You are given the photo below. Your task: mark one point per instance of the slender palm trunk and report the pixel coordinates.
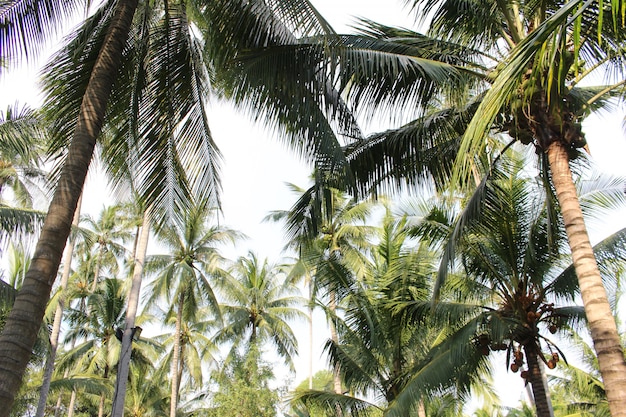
(96, 270)
(57, 407)
(421, 409)
(175, 357)
(310, 311)
(181, 361)
(20, 332)
(102, 396)
(131, 313)
(70, 407)
(332, 305)
(335, 339)
(597, 308)
(541, 396)
(56, 326)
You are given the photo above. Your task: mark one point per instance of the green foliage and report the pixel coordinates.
(242, 388)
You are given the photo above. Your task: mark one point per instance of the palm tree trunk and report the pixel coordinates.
(175, 357)
(96, 270)
(102, 396)
(20, 332)
(131, 313)
(421, 409)
(597, 308)
(70, 407)
(540, 394)
(310, 311)
(333, 336)
(56, 326)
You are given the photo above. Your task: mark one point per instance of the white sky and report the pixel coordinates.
(257, 166)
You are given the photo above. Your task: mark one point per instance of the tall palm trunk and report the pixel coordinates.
(131, 313)
(56, 326)
(310, 313)
(20, 332)
(540, 393)
(71, 406)
(333, 336)
(96, 270)
(176, 356)
(103, 395)
(599, 315)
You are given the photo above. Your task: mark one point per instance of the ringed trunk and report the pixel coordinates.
(602, 325)
(541, 396)
(20, 332)
(175, 357)
(56, 327)
(131, 313)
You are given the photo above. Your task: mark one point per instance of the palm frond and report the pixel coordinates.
(25, 25)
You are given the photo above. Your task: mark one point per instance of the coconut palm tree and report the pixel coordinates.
(481, 69)
(109, 234)
(20, 330)
(257, 307)
(21, 157)
(97, 350)
(391, 361)
(512, 253)
(195, 349)
(185, 276)
(328, 231)
(100, 54)
(140, 249)
(21, 154)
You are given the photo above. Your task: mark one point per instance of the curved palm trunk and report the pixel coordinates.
(20, 332)
(599, 315)
(56, 326)
(131, 313)
(175, 357)
(541, 396)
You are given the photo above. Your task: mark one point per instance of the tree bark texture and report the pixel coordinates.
(175, 357)
(20, 332)
(602, 325)
(541, 397)
(56, 326)
(131, 313)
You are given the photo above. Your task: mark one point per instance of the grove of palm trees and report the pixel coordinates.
(446, 241)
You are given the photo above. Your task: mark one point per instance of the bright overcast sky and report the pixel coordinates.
(256, 166)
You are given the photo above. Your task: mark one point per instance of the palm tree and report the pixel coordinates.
(392, 361)
(257, 308)
(486, 68)
(512, 254)
(328, 231)
(99, 350)
(243, 386)
(139, 257)
(21, 157)
(21, 328)
(184, 276)
(193, 347)
(21, 154)
(147, 395)
(108, 233)
(230, 26)
(58, 317)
